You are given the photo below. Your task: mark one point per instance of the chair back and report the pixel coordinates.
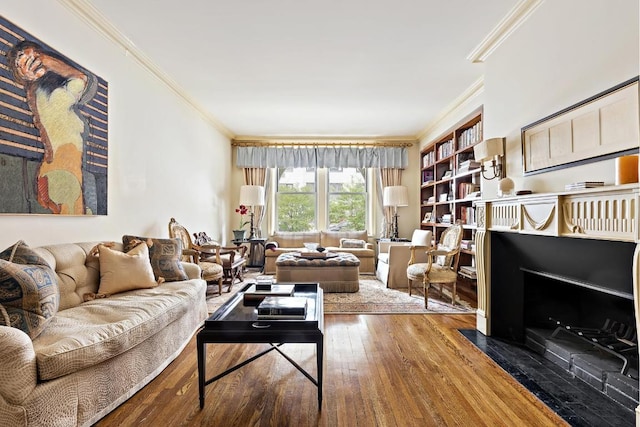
(421, 238)
(178, 231)
(450, 239)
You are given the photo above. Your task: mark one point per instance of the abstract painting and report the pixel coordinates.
(53, 130)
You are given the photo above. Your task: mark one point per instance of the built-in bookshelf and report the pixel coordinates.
(450, 181)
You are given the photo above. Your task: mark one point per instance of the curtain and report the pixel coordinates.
(258, 176)
(322, 157)
(387, 177)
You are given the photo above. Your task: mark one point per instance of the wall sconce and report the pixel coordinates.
(490, 149)
(252, 195)
(395, 195)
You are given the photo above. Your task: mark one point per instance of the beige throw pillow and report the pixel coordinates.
(121, 271)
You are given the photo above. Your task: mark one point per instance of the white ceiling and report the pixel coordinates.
(313, 68)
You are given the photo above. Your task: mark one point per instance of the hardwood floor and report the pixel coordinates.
(380, 370)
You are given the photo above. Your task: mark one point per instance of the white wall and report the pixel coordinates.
(164, 159)
(566, 52)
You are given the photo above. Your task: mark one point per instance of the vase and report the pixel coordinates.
(238, 234)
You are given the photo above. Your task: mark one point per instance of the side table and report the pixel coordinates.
(256, 250)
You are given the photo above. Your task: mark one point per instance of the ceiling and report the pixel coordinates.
(276, 68)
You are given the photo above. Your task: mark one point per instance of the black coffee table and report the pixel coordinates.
(235, 322)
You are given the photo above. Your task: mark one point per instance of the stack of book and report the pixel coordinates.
(468, 165)
(254, 295)
(446, 218)
(274, 307)
(583, 184)
(468, 271)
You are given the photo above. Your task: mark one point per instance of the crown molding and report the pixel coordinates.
(471, 93)
(512, 20)
(89, 14)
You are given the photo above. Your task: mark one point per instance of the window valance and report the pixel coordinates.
(322, 157)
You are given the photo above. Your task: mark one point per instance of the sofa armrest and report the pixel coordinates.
(193, 270)
(18, 376)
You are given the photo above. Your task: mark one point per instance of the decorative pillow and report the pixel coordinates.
(121, 271)
(352, 243)
(29, 294)
(164, 254)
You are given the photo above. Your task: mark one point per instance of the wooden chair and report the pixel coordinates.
(442, 263)
(207, 257)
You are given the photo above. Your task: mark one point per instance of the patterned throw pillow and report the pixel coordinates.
(29, 295)
(164, 255)
(352, 243)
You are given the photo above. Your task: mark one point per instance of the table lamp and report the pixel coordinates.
(252, 195)
(395, 196)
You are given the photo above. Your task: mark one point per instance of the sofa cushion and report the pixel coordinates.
(286, 239)
(98, 330)
(165, 256)
(352, 243)
(332, 238)
(121, 271)
(29, 295)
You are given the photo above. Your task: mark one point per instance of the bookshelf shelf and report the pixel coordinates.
(452, 152)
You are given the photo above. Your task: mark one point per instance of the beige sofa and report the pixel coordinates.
(330, 240)
(94, 355)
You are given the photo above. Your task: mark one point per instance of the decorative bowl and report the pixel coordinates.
(311, 246)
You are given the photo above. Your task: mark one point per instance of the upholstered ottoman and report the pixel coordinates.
(335, 274)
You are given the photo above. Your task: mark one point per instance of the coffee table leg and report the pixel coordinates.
(201, 369)
(319, 358)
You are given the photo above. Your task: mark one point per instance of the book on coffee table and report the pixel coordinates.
(254, 295)
(277, 307)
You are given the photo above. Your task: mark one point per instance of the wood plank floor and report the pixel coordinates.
(380, 370)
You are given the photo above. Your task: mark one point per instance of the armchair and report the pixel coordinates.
(393, 258)
(442, 263)
(206, 256)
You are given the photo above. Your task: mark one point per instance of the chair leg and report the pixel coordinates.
(410, 286)
(453, 294)
(220, 285)
(426, 285)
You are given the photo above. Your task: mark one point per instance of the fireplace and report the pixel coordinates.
(563, 260)
(580, 282)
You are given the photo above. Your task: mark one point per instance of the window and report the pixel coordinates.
(347, 203)
(296, 199)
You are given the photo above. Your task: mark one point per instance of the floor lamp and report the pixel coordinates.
(252, 195)
(395, 196)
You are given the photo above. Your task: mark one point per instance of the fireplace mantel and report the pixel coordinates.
(606, 213)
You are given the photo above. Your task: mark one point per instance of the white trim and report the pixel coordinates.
(88, 13)
(512, 20)
(471, 93)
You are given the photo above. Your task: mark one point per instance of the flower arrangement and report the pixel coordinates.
(242, 210)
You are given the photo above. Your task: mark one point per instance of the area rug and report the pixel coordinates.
(372, 298)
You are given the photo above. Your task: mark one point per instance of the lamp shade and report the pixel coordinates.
(488, 149)
(252, 195)
(395, 195)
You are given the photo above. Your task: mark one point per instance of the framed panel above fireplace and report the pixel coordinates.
(602, 126)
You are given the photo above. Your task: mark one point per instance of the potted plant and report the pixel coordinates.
(238, 234)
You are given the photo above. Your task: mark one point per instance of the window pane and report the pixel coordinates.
(347, 199)
(296, 199)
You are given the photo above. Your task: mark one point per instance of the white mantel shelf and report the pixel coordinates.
(608, 213)
(605, 213)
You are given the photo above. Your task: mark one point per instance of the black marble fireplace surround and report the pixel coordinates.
(580, 282)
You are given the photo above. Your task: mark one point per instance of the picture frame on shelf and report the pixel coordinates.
(427, 217)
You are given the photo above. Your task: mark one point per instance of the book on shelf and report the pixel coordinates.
(466, 188)
(583, 184)
(253, 295)
(273, 307)
(468, 165)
